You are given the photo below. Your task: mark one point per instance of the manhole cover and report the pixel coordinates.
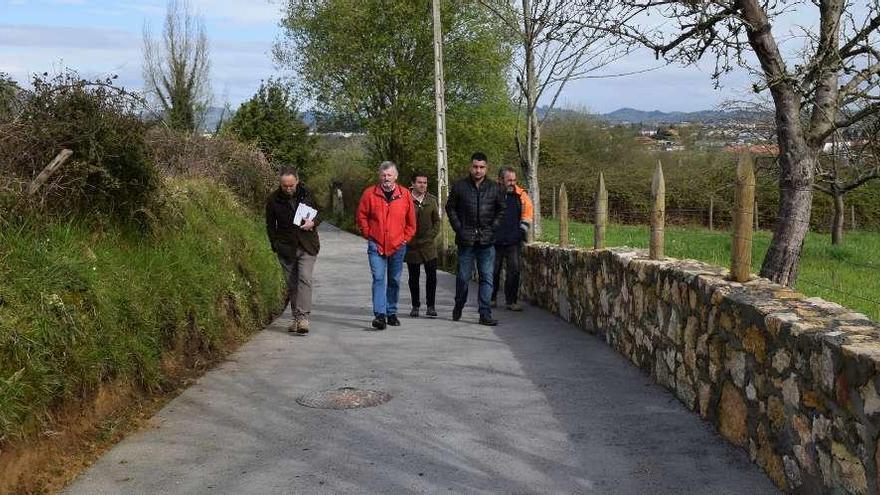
(344, 398)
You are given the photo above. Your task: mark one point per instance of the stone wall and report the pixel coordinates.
(792, 380)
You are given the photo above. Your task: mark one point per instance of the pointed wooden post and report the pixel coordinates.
(658, 213)
(743, 215)
(563, 216)
(601, 214)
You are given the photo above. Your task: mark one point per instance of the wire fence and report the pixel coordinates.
(688, 223)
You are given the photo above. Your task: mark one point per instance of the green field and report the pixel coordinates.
(848, 274)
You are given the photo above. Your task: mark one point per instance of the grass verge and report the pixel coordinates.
(847, 274)
(84, 304)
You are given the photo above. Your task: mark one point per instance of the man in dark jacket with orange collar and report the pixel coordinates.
(296, 245)
(386, 217)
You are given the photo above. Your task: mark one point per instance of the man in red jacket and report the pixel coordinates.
(386, 217)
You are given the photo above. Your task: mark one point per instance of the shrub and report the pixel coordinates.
(240, 166)
(109, 171)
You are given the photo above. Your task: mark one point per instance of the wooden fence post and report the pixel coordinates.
(563, 216)
(712, 212)
(658, 213)
(48, 171)
(744, 202)
(601, 214)
(852, 211)
(553, 200)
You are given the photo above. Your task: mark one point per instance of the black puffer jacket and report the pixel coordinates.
(475, 213)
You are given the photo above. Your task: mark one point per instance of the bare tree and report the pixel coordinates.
(847, 165)
(176, 67)
(830, 83)
(559, 41)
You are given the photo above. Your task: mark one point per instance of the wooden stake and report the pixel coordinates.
(744, 202)
(563, 216)
(601, 214)
(852, 211)
(47, 172)
(712, 212)
(658, 213)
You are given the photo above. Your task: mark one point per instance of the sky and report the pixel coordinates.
(102, 37)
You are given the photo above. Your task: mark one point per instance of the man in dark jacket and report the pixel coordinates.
(422, 248)
(295, 244)
(475, 208)
(509, 238)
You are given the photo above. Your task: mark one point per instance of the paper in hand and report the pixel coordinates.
(304, 212)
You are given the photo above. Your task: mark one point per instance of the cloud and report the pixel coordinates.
(64, 37)
(236, 66)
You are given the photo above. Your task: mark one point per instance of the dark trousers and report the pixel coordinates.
(509, 257)
(414, 270)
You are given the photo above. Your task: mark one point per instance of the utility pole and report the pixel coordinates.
(440, 103)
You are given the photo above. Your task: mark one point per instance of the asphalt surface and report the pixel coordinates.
(533, 405)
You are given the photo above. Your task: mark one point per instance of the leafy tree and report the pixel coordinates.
(559, 41)
(176, 67)
(849, 165)
(271, 119)
(373, 59)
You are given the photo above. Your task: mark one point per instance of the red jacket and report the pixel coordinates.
(389, 223)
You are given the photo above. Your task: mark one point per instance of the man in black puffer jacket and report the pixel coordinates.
(475, 208)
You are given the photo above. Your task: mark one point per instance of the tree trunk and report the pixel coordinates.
(839, 217)
(533, 132)
(533, 147)
(793, 221)
(797, 160)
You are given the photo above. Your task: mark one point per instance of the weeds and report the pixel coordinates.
(81, 304)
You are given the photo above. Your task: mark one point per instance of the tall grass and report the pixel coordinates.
(848, 274)
(83, 302)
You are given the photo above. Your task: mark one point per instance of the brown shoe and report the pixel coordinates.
(302, 326)
(514, 307)
(294, 327)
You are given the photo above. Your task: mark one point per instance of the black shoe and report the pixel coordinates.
(456, 313)
(488, 321)
(379, 322)
(431, 311)
(393, 321)
(414, 313)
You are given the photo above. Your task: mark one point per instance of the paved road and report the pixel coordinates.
(531, 406)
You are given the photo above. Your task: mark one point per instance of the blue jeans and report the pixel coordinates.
(485, 257)
(386, 278)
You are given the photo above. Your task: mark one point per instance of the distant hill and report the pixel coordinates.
(631, 115)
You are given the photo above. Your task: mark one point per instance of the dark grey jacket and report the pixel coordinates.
(475, 213)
